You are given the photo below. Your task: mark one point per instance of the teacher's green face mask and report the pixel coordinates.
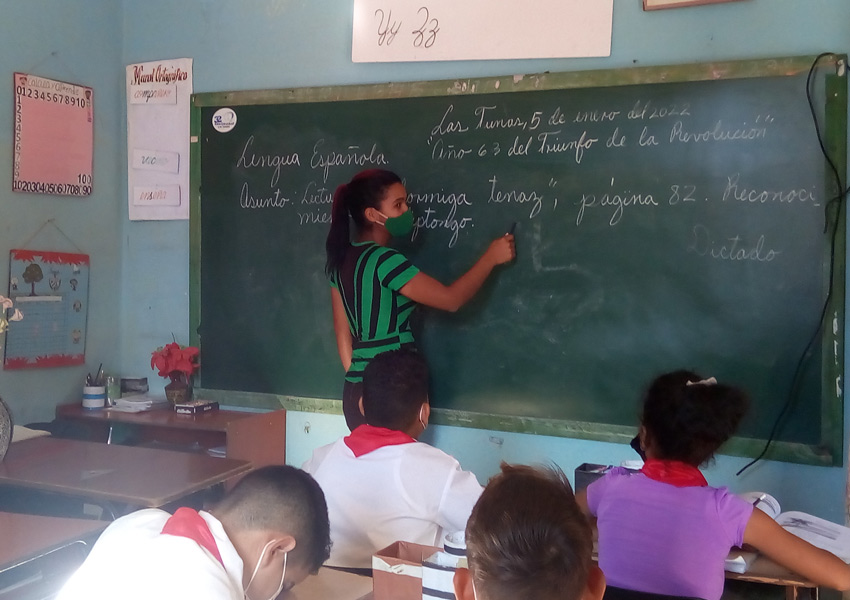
(399, 226)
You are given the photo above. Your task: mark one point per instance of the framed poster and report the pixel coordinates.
(54, 137)
(52, 290)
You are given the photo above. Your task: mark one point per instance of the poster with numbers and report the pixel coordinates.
(51, 289)
(53, 137)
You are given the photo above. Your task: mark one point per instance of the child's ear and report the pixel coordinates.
(463, 584)
(595, 588)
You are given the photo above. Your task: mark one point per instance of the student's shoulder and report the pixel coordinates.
(320, 455)
(148, 520)
(730, 503)
(420, 451)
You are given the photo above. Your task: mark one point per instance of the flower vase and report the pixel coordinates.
(179, 391)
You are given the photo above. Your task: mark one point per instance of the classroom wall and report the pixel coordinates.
(139, 273)
(259, 44)
(77, 41)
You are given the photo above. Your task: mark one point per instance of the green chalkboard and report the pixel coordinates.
(666, 217)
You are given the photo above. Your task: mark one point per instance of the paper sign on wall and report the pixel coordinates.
(158, 95)
(407, 30)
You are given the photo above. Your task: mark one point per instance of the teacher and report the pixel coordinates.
(374, 289)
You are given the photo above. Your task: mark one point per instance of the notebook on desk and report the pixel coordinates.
(821, 533)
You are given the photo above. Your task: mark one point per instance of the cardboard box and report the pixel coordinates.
(195, 407)
(397, 571)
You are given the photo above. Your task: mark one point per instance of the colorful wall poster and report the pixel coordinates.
(51, 289)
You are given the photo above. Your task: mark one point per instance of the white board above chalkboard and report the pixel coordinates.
(404, 30)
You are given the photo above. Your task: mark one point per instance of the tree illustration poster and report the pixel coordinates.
(52, 291)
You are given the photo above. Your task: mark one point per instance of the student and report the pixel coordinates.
(527, 538)
(374, 289)
(664, 530)
(380, 483)
(265, 535)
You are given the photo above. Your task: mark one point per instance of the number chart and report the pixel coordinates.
(53, 139)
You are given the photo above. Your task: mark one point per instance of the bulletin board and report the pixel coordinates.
(51, 289)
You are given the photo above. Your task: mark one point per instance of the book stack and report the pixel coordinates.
(139, 403)
(195, 407)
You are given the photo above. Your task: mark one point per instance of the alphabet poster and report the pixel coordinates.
(51, 289)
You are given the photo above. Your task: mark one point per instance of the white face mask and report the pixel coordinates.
(257, 568)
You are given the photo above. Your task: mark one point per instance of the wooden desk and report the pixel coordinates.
(256, 437)
(332, 584)
(764, 570)
(103, 473)
(39, 553)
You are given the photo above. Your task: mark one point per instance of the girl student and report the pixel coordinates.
(374, 289)
(663, 530)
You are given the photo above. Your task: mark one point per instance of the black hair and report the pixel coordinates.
(527, 537)
(286, 499)
(365, 190)
(690, 422)
(395, 385)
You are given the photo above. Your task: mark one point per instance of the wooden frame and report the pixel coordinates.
(827, 452)
(659, 4)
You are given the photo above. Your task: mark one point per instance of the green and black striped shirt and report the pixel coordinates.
(378, 315)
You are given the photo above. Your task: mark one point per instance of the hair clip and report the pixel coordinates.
(709, 381)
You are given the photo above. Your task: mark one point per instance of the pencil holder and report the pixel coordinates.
(94, 396)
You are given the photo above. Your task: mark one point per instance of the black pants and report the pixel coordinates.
(351, 394)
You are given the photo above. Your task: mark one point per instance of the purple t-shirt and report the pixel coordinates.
(659, 538)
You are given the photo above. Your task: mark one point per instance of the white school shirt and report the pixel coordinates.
(412, 492)
(132, 560)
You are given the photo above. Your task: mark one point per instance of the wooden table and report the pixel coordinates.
(764, 570)
(256, 437)
(332, 584)
(125, 477)
(39, 553)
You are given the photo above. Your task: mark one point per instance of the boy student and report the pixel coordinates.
(527, 538)
(265, 535)
(381, 484)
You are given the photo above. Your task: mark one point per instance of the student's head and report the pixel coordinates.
(277, 519)
(527, 538)
(395, 391)
(368, 199)
(687, 417)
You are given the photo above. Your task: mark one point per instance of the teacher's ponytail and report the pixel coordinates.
(339, 236)
(365, 190)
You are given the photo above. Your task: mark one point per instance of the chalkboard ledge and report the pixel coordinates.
(618, 434)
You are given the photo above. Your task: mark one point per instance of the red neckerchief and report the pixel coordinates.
(367, 438)
(187, 523)
(674, 472)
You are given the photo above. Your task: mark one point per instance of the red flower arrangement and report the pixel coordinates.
(176, 362)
